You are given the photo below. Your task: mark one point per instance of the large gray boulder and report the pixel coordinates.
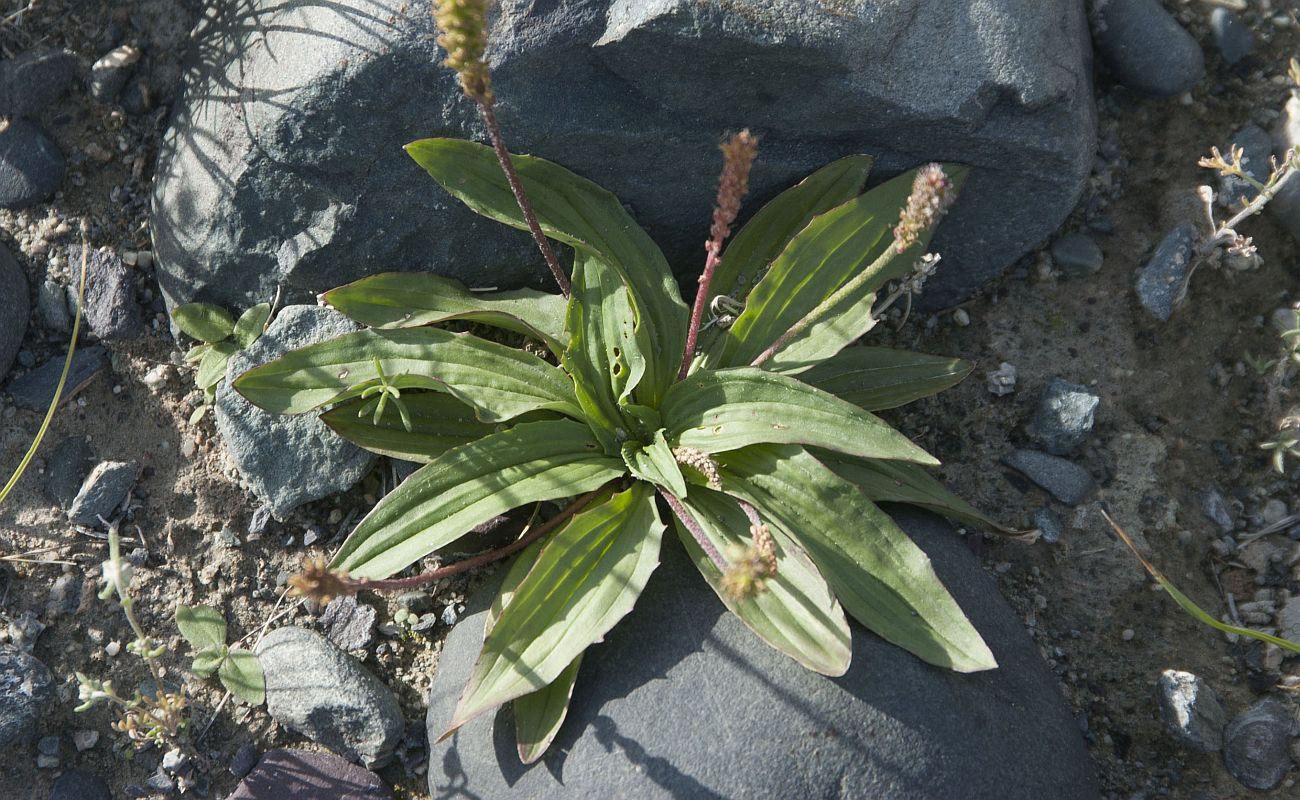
(283, 164)
(683, 701)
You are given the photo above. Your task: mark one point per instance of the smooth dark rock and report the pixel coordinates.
(301, 775)
(1049, 523)
(25, 685)
(52, 305)
(66, 469)
(1077, 255)
(1285, 207)
(34, 390)
(77, 785)
(111, 72)
(283, 164)
(1192, 711)
(33, 82)
(1257, 149)
(349, 625)
(1146, 48)
(15, 309)
(1231, 36)
(683, 701)
(102, 492)
(1161, 281)
(1065, 416)
(1215, 509)
(110, 310)
(31, 166)
(1064, 480)
(1256, 744)
(287, 460)
(321, 692)
(244, 759)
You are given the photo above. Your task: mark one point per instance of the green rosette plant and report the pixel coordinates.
(749, 417)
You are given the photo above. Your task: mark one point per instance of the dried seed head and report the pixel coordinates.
(932, 194)
(464, 36)
(701, 462)
(320, 583)
(738, 155)
(750, 567)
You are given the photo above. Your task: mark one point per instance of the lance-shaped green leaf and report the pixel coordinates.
(577, 212)
(470, 485)
(241, 673)
(768, 232)
(846, 321)
(897, 482)
(439, 422)
(212, 367)
(796, 614)
(539, 715)
(586, 579)
(654, 462)
(833, 248)
(251, 324)
(412, 299)
(718, 410)
(499, 382)
(603, 355)
(204, 321)
(202, 626)
(883, 579)
(877, 378)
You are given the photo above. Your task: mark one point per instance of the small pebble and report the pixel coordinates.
(961, 318)
(1191, 710)
(85, 739)
(1256, 744)
(1049, 524)
(1002, 381)
(1161, 281)
(1127, 635)
(244, 760)
(1077, 255)
(1231, 36)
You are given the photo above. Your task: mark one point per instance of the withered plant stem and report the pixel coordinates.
(521, 197)
(697, 532)
(391, 584)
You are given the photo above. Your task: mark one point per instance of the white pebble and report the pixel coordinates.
(113, 648)
(1128, 635)
(960, 318)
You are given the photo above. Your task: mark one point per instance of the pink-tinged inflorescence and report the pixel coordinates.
(738, 154)
(464, 36)
(932, 194)
(701, 462)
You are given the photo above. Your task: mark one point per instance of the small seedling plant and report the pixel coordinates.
(220, 336)
(238, 669)
(748, 416)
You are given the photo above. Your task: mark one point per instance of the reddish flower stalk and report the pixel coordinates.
(697, 533)
(738, 154)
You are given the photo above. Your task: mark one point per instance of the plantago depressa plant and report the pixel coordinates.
(753, 427)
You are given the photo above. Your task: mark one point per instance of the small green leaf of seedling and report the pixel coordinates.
(213, 366)
(251, 324)
(202, 626)
(197, 352)
(207, 660)
(198, 414)
(382, 390)
(241, 673)
(204, 321)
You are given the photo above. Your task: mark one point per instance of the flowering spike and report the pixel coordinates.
(464, 36)
(932, 193)
(701, 462)
(738, 155)
(320, 583)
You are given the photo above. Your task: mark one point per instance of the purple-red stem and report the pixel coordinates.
(696, 531)
(551, 524)
(525, 206)
(697, 311)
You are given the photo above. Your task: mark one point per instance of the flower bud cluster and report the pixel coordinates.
(464, 36)
(932, 194)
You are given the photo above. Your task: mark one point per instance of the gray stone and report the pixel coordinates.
(52, 305)
(24, 630)
(348, 624)
(1256, 744)
(35, 389)
(1064, 480)
(244, 759)
(77, 785)
(1064, 417)
(1192, 711)
(287, 460)
(681, 700)
(279, 169)
(48, 745)
(66, 469)
(301, 775)
(33, 82)
(1257, 149)
(1049, 523)
(1231, 36)
(1285, 206)
(321, 692)
(1161, 282)
(103, 491)
(15, 309)
(110, 310)
(1077, 255)
(25, 685)
(1146, 48)
(1288, 620)
(31, 166)
(111, 72)
(65, 596)
(1215, 509)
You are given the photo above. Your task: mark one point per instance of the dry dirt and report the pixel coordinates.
(1180, 409)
